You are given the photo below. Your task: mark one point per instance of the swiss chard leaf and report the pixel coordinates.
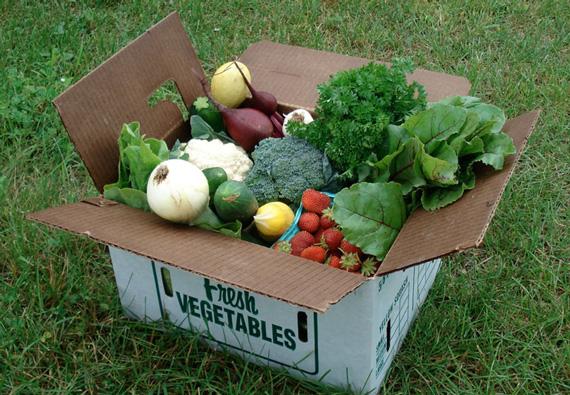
(370, 215)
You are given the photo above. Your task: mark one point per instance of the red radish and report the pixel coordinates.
(247, 126)
(262, 101)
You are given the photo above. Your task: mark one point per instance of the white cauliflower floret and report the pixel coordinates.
(215, 153)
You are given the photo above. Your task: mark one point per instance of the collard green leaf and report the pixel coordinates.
(210, 221)
(370, 215)
(200, 129)
(129, 196)
(436, 124)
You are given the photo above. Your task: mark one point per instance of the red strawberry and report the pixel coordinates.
(314, 253)
(300, 241)
(314, 201)
(334, 261)
(368, 267)
(309, 222)
(282, 246)
(350, 262)
(349, 248)
(332, 238)
(318, 235)
(326, 219)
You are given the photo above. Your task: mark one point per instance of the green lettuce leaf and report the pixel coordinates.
(436, 124)
(403, 166)
(370, 215)
(440, 166)
(138, 156)
(497, 147)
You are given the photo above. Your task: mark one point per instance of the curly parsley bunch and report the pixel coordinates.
(354, 109)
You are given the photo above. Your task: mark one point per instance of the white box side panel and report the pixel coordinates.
(134, 277)
(351, 345)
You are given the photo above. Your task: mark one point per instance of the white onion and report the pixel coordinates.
(177, 191)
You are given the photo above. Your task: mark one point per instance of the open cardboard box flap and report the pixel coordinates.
(94, 109)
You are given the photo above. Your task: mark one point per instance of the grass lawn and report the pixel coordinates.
(497, 319)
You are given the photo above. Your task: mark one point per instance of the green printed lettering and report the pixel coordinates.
(218, 316)
(253, 325)
(209, 288)
(205, 309)
(194, 307)
(240, 323)
(222, 294)
(290, 339)
(230, 295)
(230, 316)
(239, 301)
(277, 334)
(250, 304)
(264, 332)
(182, 302)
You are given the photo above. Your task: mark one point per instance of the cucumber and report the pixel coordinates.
(216, 176)
(234, 200)
(205, 109)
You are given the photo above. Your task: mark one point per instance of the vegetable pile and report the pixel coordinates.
(375, 142)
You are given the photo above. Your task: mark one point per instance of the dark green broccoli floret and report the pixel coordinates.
(284, 168)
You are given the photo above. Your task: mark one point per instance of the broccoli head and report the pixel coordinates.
(284, 168)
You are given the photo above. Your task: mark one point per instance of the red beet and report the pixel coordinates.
(262, 101)
(247, 126)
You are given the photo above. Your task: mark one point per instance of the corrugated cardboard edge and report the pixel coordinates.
(479, 241)
(349, 283)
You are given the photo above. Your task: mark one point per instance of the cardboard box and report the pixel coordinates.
(271, 308)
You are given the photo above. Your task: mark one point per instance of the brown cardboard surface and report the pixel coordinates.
(116, 92)
(228, 260)
(292, 73)
(462, 225)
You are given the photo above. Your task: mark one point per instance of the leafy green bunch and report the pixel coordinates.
(355, 107)
(432, 154)
(426, 161)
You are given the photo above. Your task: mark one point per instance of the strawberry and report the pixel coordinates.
(334, 261)
(309, 222)
(300, 241)
(326, 219)
(350, 262)
(368, 267)
(348, 248)
(319, 235)
(332, 238)
(314, 201)
(314, 253)
(282, 246)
